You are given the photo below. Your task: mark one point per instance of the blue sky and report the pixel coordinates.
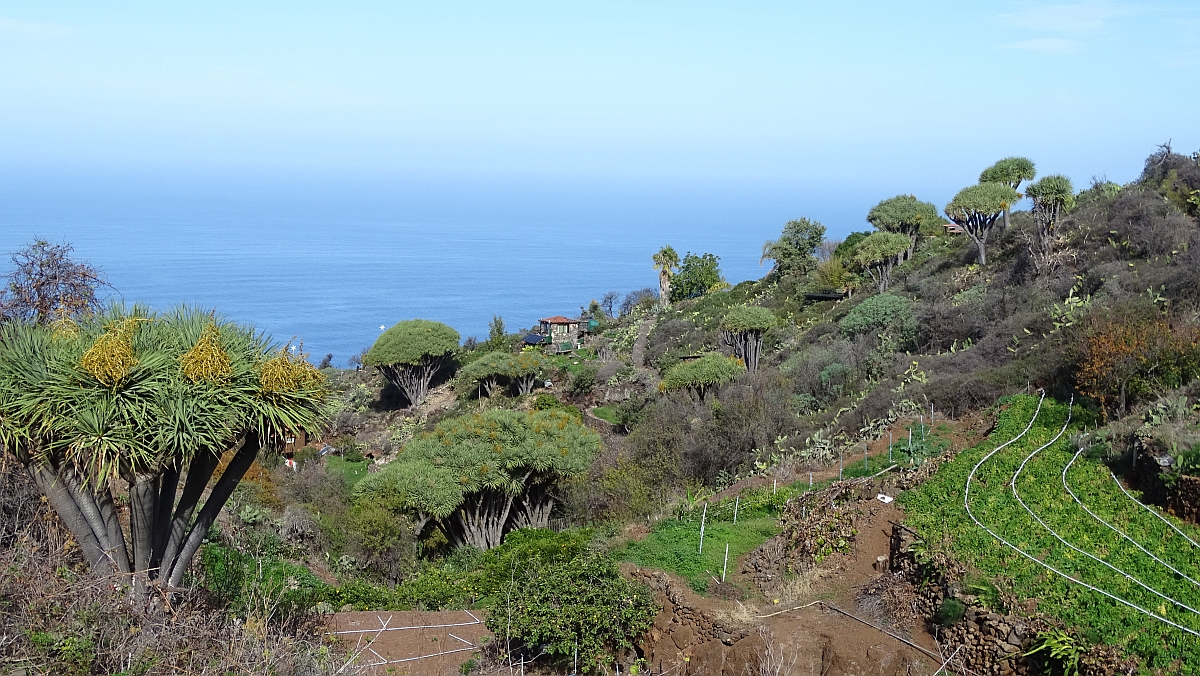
(884, 97)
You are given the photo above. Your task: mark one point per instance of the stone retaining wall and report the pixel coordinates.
(989, 642)
(688, 640)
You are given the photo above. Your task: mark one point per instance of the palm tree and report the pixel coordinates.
(154, 400)
(666, 261)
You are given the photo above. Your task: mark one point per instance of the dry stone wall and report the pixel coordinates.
(690, 640)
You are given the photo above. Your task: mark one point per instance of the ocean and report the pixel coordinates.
(329, 263)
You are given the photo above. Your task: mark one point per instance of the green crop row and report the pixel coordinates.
(936, 512)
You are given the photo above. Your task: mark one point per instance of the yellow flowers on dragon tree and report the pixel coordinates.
(128, 406)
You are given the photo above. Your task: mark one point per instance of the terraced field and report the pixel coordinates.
(1047, 523)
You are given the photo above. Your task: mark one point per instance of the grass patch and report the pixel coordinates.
(606, 413)
(567, 362)
(675, 546)
(353, 471)
(935, 511)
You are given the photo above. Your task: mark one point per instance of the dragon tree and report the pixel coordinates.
(411, 353)
(477, 477)
(162, 412)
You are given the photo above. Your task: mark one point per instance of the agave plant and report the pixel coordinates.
(134, 403)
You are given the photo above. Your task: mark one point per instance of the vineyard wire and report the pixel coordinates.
(1055, 534)
(1152, 511)
(1113, 528)
(1034, 559)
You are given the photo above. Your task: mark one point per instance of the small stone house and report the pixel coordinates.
(562, 334)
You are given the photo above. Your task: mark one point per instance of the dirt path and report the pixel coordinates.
(962, 433)
(818, 623)
(638, 354)
(803, 633)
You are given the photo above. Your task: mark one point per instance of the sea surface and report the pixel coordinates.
(330, 263)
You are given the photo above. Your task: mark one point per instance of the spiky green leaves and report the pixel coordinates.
(904, 214)
(981, 200)
(144, 403)
(1010, 171)
(711, 370)
(1052, 192)
(879, 247)
(748, 318)
(498, 449)
(411, 342)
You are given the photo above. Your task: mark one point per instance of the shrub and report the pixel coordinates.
(582, 381)
(267, 588)
(950, 612)
(1131, 353)
(546, 402)
(583, 604)
(884, 314)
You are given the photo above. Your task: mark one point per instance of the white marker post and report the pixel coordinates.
(736, 501)
(726, 564)
(703, 516)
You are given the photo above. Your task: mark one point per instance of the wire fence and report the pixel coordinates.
(365, 645)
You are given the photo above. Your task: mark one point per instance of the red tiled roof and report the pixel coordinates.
(558, 319)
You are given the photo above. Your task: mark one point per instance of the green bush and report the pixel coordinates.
(580, 604)
(469, 577)
(267, 588)
(882, 314)
(583, 381)
(546, 402)
(950, 612)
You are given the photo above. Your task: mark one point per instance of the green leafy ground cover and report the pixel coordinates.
(607, 413)
(936, 512)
